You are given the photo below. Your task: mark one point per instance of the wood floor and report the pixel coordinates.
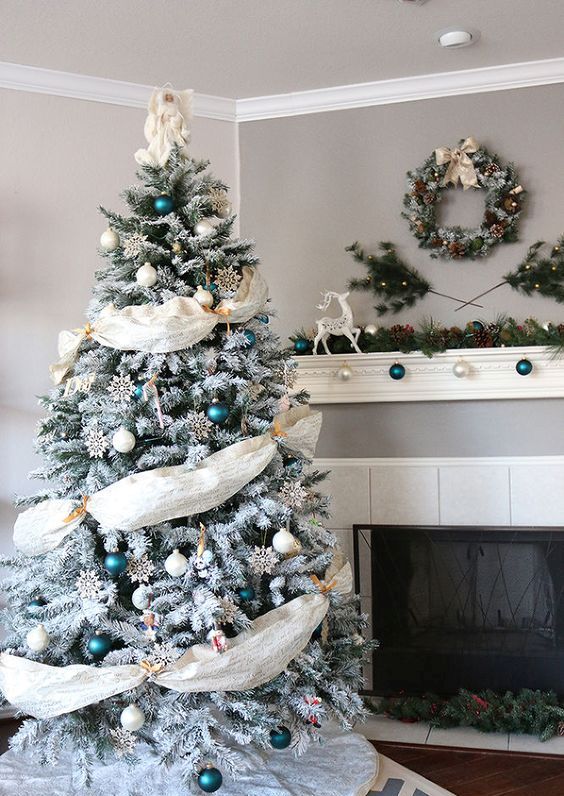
(465, 773)
(476, 773)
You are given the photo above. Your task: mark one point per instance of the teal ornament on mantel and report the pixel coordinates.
(524, 367)
(210, 779)
(397, 371)
(301, 345)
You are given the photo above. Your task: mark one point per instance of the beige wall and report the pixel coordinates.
(60, 159)
(311, 185)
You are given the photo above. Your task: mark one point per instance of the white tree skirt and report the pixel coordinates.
(346, 765)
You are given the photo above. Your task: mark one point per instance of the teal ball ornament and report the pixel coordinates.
(115, 563)
(99, 645)
(37, 602)
(524, 367)
(210, 779)
(262, 318)
(397, 371)
(477, 326)
(301, 345)
(280, 738)
(247, 594)
(138, 392)
(163, 205)
(218, 412)
(251, 337)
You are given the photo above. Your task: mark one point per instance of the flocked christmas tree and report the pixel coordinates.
(174, 588)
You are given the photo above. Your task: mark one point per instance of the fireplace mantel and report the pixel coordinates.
(492, 376)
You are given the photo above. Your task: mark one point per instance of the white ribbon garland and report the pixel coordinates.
(156, 329)
(254, 657)
(166, 493)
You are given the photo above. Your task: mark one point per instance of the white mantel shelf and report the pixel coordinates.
(492, 376)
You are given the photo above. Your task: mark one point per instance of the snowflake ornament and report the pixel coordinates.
(134, 244)
(140, 569)
(293, 494)
(290, 374)
(199, 425)
(219, 201)
(163, 654)
(227, 279)
(229, 609)
(123, 741)
(121, 389)
(263, 560)
(88, 584)
(96, 442)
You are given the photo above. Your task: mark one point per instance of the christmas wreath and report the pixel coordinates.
(475, 168)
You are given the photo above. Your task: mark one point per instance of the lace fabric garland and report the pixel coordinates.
(254, 657)
(165, 493)
(177, 324)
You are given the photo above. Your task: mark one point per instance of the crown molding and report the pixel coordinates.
(21, 77)
(403, 89)
(100, 89)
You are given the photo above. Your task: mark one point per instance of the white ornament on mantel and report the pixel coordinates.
(491, 376)
(167, 125)
(342, 326)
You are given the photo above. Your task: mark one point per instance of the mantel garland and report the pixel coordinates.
(475, 167)
(433, 338)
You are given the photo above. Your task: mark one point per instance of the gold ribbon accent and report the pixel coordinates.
(225, 311)
(277, 430)
(78, 512)
(323, 587)
(202, 540)
(152, 668)
(86, 331)
(460, 167)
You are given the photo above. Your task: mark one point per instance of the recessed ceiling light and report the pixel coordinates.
(452, 38)
(412, 2)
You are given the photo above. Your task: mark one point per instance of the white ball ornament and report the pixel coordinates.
(225, 210)
(204, 227)
(203, 297)
(123, 440)
(141, 598)
(370, 328)
(345, 373)
(132, 718)
(176, 564)
(38, 639)
(284, 542)
(109, 240)
(461, 369)
(146, 275)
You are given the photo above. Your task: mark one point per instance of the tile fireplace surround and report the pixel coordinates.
(504, 491)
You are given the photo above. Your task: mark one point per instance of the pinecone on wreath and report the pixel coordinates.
(498, 230)
(456, 249)
(490, 169)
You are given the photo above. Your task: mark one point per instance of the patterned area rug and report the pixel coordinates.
(396, 780)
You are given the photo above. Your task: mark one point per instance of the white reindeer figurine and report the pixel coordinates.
(337, 326)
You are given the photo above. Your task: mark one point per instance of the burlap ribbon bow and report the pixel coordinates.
(460, 166)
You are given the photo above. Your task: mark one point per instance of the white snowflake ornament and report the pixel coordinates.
(140, 569)
(121, 389)
(134, 244)
(227, 279)
(263, 560)
(199, 425)
(163, 654)
(96, 442)
(293, 494)
(123, 741)
(229, 609)
(88, 584)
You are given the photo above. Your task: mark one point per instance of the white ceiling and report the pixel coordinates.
(245, 48)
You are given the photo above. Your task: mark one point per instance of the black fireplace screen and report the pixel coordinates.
(462, 607)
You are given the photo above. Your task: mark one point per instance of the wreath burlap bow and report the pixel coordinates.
(460, 165)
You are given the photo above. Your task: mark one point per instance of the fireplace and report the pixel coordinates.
(472, 607)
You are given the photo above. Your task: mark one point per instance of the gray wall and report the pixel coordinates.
(311, 185)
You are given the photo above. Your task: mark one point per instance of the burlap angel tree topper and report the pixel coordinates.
(174, 590)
